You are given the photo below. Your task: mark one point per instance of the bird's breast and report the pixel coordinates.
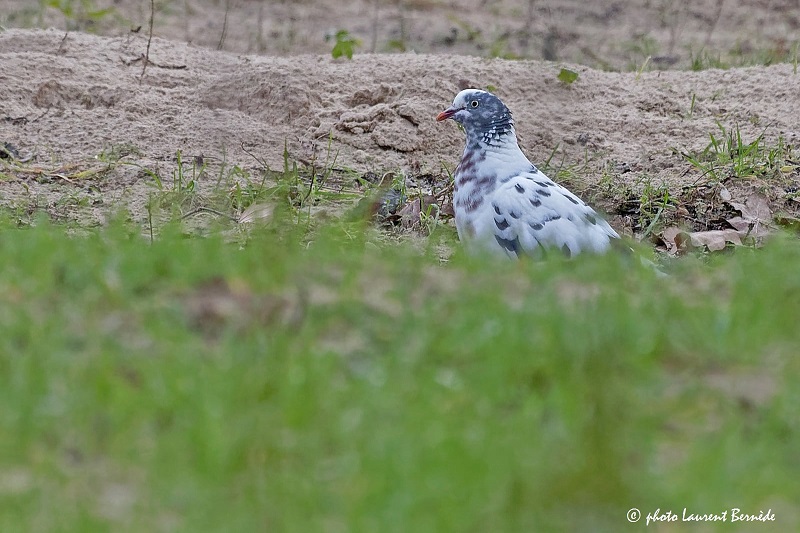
(473, 182)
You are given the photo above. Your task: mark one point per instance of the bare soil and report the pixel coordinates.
(604, 33)
(70, 100)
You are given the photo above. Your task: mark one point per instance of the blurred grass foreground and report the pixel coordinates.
(190, 384)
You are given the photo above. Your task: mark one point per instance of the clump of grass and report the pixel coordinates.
(648, 203)
(778, 53)
(245, 191)
(653, 200)
(640, 50)
(705, 60)
(182, 186)
(729, 155)
(499, 48)
(315, 186)
(81, 15)
(563, 171)
(692, 105)
(738, 57)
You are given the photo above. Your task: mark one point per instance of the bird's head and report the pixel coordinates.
(481, 113)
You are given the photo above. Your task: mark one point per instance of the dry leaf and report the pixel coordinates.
(749, 228)
(715, 240)
(668, 236)
(679, 241)
(683, 242)
(430, 205)
(756, 207)
(409, 214)
(740, 224)
(447, 210)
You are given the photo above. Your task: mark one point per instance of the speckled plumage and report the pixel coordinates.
(503, 203)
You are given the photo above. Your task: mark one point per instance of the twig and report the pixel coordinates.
(260, 26)
(258, 160)
(374, 36)
(63, 40)
(129, 62)
(713, 24)
(150, 216)
(224, 25)
(149, 38)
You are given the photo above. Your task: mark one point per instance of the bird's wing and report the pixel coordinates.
(533, 214)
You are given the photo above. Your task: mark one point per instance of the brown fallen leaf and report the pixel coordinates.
(756, 219)
(409, 213)
(447, 210)
(756, 229)
(668, 237)
(755, 207)
(430, 204)
(679, 242)
(740, 224)
(714, 240)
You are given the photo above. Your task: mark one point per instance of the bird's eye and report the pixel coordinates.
(474, 103)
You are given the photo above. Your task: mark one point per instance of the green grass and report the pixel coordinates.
(334, 384)
(729, 155)
(639, 51)
(739, 57)
(81, 15)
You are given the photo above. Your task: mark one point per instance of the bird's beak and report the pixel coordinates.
(447, 113)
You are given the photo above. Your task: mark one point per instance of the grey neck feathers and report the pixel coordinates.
(492, 134)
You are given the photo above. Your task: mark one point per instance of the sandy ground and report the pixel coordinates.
(69, 98)
(602, 33)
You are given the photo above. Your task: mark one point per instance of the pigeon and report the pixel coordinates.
(503, 204)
